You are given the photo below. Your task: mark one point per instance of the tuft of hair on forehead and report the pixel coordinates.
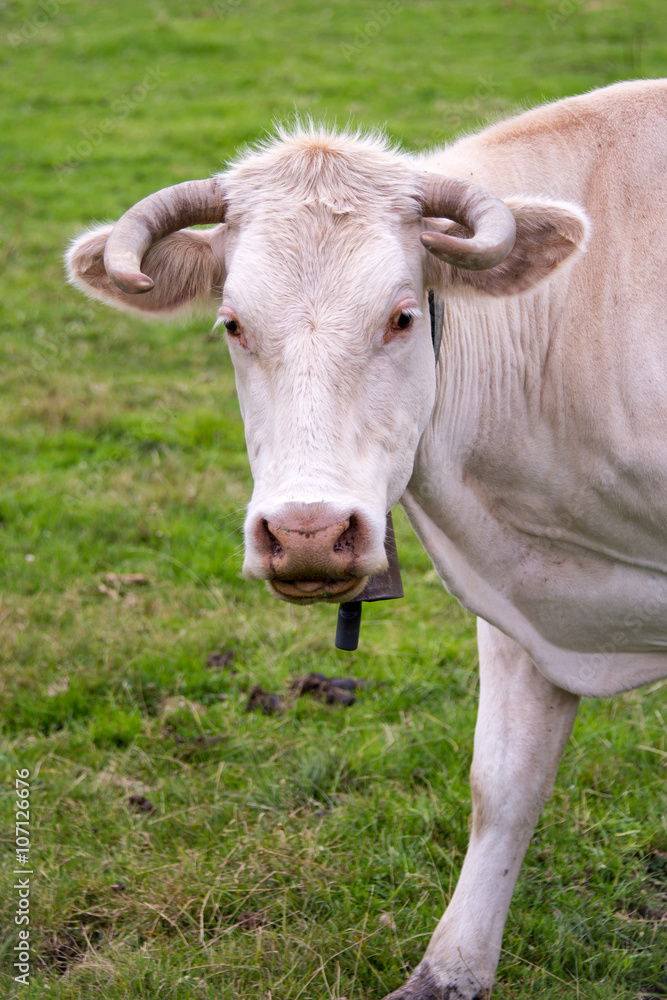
(345, 170)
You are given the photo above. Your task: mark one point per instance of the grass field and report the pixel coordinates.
(308, 854)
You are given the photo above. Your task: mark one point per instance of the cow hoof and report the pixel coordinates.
(422, 985)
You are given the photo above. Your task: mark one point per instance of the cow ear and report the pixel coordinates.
(186, 267)
(548, 234)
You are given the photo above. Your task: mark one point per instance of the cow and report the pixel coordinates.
(530, 460)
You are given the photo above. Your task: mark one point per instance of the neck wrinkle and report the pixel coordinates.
(494, 358)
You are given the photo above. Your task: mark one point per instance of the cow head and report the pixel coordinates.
(325, 248)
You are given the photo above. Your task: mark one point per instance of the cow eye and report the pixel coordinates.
(403, 320)
(233, 327)
(400, 321)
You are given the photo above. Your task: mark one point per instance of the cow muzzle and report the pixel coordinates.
(311, 552)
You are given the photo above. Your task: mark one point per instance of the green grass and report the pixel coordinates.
(305, 855)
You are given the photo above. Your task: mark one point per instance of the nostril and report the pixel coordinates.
(346, 539)
(271, 543)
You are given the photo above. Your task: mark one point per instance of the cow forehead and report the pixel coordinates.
(321, 232)
(346, 173)
(301, 262)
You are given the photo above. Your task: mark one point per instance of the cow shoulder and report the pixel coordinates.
(186, 268)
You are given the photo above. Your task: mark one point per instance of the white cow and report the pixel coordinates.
(532, 461)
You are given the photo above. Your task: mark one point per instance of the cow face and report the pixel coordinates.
(324, 273)
(329, 335)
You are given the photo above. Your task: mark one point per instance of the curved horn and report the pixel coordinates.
(489, 219)
(188, 204)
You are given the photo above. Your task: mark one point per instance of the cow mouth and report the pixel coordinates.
(313, 591)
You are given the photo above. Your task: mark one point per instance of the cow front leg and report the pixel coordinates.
(523, 725)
